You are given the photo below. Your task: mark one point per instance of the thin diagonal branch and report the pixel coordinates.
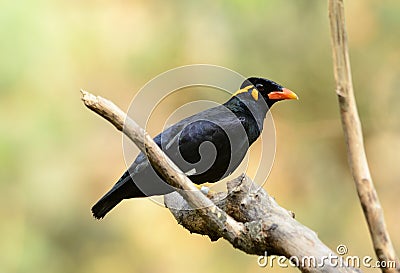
(354, 138)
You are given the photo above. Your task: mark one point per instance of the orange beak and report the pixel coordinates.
(285, 94)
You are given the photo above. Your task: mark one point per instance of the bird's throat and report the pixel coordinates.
(251, 114)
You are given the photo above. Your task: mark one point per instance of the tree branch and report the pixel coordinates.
(354, 138)
(247, 216)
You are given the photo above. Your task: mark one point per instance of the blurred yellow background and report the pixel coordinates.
(57, 158)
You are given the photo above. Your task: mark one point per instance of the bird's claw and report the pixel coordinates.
(205, 190)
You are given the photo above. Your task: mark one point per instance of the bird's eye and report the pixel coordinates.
(260, 87)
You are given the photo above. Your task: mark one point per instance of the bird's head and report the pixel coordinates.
(270, 90)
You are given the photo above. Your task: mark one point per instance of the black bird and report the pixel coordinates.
(207, 146)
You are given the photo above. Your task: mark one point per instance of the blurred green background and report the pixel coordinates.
(57, 158)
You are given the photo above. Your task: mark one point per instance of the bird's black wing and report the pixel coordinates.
(209, 146)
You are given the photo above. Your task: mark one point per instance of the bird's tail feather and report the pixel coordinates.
(123, 189)
(126, 188)
(104, 205)
(113, 197)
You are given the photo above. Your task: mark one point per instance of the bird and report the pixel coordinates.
(207, 146)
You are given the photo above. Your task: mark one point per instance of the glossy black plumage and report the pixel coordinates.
(208, 146)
